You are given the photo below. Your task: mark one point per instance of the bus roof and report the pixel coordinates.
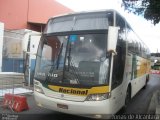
(84, 12)
(96, 11)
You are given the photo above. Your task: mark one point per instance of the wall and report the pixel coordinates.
(13, 13)
(41, 10)
(15, 43)
(16, 14)
(1, 43)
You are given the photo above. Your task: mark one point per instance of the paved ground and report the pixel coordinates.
(138, 105)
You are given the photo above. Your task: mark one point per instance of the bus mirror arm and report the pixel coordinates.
(112, 52)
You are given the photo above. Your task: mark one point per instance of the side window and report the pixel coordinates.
(110, 19)
(136, 48)
(120, 22)
(135, 45)
(119, 58)
(130, 39)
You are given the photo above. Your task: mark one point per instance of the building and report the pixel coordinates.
(21, 21)
(29, 14)
(1, 45)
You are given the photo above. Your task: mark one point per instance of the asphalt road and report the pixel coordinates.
(140, 102)
(138, 105)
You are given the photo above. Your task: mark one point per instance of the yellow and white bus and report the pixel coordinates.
(89, 64)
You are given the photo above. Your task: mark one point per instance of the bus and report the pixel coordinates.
(89, 64)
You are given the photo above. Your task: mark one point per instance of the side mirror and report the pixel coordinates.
(112, 39)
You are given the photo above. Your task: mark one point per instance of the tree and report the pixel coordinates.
(150, 9)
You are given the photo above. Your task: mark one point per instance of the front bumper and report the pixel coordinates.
(93, 109)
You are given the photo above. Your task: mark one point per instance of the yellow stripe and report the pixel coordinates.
(143, 67)
(80, 91)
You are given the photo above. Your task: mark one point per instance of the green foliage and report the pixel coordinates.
(150, 9)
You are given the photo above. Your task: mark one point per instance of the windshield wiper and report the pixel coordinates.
(71, 65)
(69, 56)
(59, 55)
(53, 66)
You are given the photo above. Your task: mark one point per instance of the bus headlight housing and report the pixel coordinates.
(38, 89)
(98, 97)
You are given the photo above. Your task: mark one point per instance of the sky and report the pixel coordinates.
(148, 32)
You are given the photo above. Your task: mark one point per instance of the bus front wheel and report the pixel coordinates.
(128, 96)
(127, 99)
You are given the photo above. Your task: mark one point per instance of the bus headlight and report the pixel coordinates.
(97, 97)
(38, 89)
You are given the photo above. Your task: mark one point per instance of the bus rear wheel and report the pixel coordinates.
(147, 79)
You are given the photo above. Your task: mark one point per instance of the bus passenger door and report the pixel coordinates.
(129, 67)
(134, 79)
(117, 78)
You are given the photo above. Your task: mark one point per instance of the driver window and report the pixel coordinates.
(119, 58)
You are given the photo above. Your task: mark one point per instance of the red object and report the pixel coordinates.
(7, 100)
(16, 102)
(155, 72)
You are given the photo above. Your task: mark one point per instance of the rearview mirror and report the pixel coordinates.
(112, 39)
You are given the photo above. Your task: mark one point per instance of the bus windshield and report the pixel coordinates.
(73, 59)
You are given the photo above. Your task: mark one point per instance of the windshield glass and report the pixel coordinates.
(73, 59)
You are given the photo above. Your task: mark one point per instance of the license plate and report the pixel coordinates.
(62, 106)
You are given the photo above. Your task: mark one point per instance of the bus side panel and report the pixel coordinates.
(117, 100)
(139, 71)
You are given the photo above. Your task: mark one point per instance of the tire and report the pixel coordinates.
(128, 97)
(147, 79)
(127, 100)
